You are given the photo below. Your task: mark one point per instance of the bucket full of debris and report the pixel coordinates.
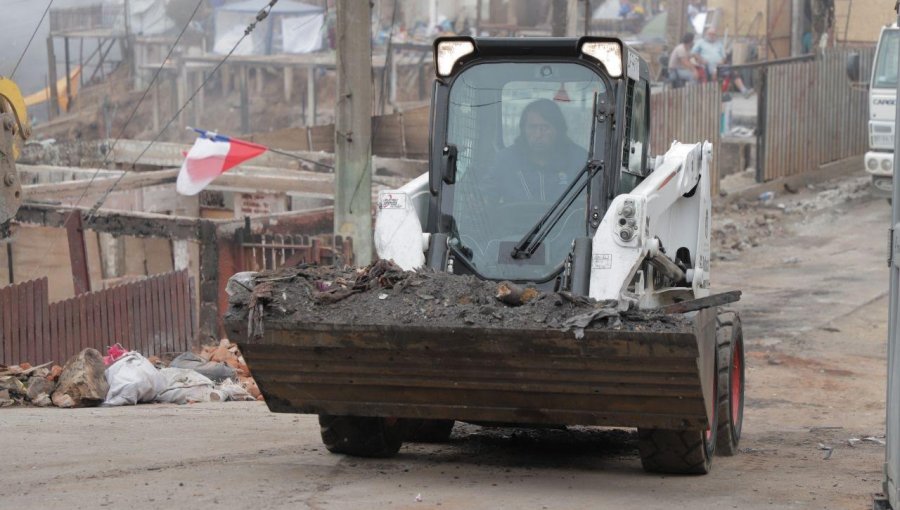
(382, 342)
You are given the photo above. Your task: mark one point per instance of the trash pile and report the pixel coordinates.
(217, 374)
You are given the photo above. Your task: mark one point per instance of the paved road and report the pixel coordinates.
(815, 330)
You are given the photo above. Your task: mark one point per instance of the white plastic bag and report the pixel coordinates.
(133, 379)
(184, 385)
(234, 391)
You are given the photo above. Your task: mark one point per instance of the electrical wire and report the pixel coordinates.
(109, 150)
(124, 126)
(41, 22)
(260, 16)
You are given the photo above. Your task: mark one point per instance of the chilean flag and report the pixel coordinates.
(211, 156)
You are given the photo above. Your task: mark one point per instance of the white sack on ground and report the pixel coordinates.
(184, 385)
(132, 379)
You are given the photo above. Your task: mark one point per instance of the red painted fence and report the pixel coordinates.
(153, 316)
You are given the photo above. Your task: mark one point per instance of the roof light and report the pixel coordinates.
(449, 52)
(607, 53)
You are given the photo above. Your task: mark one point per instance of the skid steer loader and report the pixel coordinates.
(540, 175)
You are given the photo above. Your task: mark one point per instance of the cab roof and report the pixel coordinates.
(547, 47)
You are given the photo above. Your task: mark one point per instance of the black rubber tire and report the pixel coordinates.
(361, 436)
(427, 431)
(680, 452)
(675, 452)
(730, 337)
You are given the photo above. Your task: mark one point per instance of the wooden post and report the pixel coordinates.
(288, 83)
(587, 17)
(353, 127)
(478, 17)
(51, 78)
(572, 18)
(78, 253)
(68, 78)
(676, 22)
(245, 100)
(558, 17)
(311, 95)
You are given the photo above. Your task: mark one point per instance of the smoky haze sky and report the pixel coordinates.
(18, 18)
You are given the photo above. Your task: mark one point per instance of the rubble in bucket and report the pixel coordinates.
(122, 377)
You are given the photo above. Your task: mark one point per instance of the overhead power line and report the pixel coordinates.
(41, 22)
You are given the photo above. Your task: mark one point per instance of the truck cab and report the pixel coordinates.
(879, 160)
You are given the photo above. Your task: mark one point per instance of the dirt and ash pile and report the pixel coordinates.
(383, 294)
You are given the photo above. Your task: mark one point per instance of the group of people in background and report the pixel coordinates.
(699, 61)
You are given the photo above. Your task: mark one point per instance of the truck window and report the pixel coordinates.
(886, 62)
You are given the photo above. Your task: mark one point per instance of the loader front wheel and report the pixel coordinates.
(676, 452)
(427, 431)
(361, 436)
(680, 452)
(730, 347)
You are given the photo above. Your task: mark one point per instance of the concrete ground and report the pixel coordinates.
(814, 311)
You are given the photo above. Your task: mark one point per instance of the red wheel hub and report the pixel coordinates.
(737, 381)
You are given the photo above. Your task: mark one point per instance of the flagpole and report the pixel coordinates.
(212, 134)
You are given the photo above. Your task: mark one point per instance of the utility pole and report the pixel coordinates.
(891, 470)
(353, 127)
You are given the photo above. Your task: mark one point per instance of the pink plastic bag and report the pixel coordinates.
(114, 352)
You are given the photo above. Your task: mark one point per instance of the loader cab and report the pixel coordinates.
(526, 127)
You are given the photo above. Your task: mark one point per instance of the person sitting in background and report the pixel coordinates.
(625, 8)
(681, 65)
(711, 52)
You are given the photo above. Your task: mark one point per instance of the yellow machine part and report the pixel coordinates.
(11, 101)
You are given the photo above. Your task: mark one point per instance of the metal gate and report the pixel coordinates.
(260, 252)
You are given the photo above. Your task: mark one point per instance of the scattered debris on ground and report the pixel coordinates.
(384, 294)
(745, 223)
(218, 373)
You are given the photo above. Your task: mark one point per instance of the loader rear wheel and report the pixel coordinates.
(361, 436)
(680, 452)
(730, 347)
(427, 431)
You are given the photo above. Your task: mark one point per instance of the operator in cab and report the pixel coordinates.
(542, 161)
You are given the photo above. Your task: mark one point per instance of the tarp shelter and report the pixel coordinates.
(292, 27)
(148, 17)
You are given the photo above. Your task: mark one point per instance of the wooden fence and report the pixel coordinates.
(690, 114)
(811, 114)
(152, 316)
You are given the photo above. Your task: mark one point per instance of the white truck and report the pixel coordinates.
(879, 160)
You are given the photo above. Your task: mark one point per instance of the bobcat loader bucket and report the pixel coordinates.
(661, 378)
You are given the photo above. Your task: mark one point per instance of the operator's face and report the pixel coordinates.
(540, 134)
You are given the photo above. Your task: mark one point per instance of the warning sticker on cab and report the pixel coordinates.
(392, 201)
(601, 261)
